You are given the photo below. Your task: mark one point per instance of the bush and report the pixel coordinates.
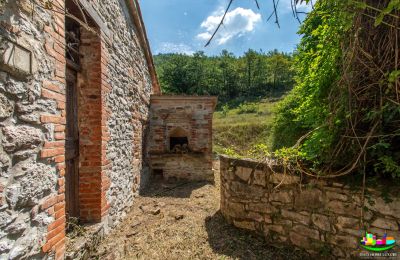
(247, 108)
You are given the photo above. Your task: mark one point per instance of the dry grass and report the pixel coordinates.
(241, 132)
(188, 226)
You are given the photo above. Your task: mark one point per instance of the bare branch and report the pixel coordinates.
(258, 6)
(276, 13)
(220, 23)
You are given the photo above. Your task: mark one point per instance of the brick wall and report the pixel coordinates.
(322, 217)
(191, 116)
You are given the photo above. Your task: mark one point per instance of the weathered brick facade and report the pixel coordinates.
(181, 137)
(114, 83)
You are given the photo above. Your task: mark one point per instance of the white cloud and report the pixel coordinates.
(303, 7)
(169, 47)
(237, 23)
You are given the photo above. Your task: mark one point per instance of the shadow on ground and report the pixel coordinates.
(235, 243)
(176, 189)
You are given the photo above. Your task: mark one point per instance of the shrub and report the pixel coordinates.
(247, 108)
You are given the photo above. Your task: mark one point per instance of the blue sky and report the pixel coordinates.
(184, 26)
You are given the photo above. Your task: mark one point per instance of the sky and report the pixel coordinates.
(184, 26)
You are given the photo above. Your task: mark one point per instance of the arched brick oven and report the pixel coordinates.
(180, 144)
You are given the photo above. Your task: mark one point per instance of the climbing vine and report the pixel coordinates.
(344, 113)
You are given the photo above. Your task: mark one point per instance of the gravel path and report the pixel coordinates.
(182, 221)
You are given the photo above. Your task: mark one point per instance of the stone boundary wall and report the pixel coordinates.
(322, 217)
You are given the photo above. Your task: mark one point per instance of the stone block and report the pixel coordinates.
(299, 240)
(282, 196)
(275, 228)
(308, 232)
(243, 173)
(297, 217)
(267, 219)
(345, 222)
(344, 208)
(260, 178)
(16, 59)
(33, 181)
(385, 223)
(21, 137)
(389, 209)
(261, 207)
(336, 196)
(345, 241)
(336, 251)
(246, 190)
(321, 221)
(6, 107)
(286, 179)
(244, 224)
(255, 216)
(355, 232)
(234, 209)
(309, 199)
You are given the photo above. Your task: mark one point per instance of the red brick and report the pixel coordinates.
(61, 198)
(50, 201)
(59, 136)
(52, 119)
(54, 144)
(53, 87)
(53, 95)
(45, 153)
(59, 206)
(56, 223)
(60, 213)
(54, 232)
(59, 128)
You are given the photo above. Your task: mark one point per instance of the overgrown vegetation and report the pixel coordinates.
(344, 112)
(234, 79)
(244, 131)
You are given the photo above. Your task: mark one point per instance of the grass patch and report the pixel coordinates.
(244, 130)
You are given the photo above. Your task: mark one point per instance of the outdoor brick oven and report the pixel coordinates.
(180, 145)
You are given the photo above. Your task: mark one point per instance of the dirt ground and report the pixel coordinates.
(182, 221)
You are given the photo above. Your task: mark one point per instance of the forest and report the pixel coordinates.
(233, 79)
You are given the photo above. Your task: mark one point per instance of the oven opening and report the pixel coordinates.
(178, 141)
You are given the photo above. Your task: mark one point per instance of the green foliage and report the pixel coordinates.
(259, 151)
(253, 75)
(225, 109)
(245, 134)
(320, 108)
(247, 108)
(230, 152)
(317, 59)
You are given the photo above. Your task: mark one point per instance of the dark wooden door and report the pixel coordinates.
(72, 145)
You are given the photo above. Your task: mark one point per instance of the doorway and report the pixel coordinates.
(72, 130)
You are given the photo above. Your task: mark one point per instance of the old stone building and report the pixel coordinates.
(75, 91)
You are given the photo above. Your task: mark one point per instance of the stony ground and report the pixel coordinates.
(182, 221)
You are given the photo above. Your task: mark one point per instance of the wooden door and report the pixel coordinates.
(72, 145)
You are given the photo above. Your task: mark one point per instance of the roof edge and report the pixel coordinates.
(213, 99)
(134, 8)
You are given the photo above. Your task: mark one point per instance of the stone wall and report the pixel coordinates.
(32, 124)
(114, 93)
(191, 117)
(322, 217)
(127, 107)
